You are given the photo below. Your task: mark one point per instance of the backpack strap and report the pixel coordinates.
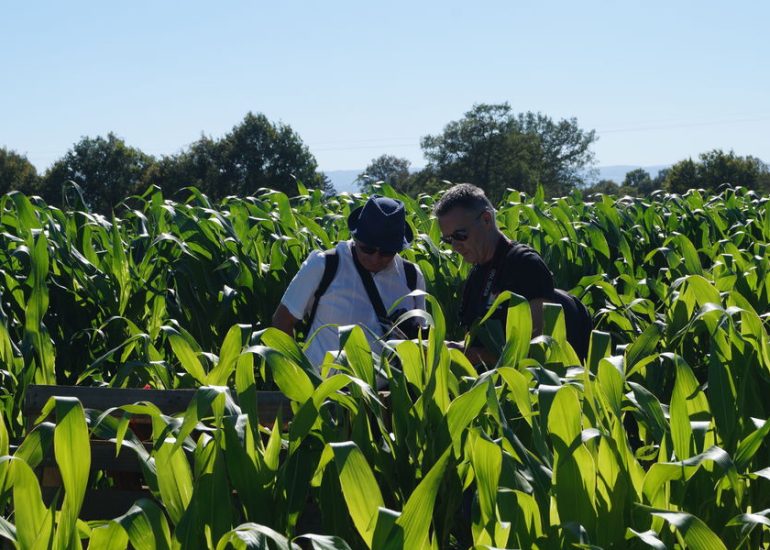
(410, 271)
(331, 261)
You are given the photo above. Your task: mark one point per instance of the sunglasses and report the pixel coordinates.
(459, 235)
(370, 250)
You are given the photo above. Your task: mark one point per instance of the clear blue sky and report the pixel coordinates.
(658, 81)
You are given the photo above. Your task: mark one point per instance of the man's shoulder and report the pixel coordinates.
(519, 249)
(520, 253)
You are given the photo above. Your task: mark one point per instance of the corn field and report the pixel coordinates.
(659, 440)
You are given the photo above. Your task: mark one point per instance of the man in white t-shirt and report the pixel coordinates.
(379, 232)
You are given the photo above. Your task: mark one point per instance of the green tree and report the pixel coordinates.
(603, 187)
(16, 173)
(639, 182)
(256, 153)
(564, 155)
(106, 169)
(716, 168)
(681, 176)
(386, 168)
(495, 149)
(660, 178)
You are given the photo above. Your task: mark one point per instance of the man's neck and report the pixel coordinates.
(490, 246)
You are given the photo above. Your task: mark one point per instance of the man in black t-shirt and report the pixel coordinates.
(467, 222)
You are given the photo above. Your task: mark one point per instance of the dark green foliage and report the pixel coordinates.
(716, 168)
(496, 149)
(17, 173)
(256, 153)
(106, 170)
(388, 169)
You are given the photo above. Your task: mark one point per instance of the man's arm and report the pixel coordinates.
(480, 354)
(283, 320)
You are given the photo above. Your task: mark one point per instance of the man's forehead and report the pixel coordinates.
(457, 214)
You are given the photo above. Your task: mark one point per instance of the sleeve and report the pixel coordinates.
(298, 297)
(528, 275)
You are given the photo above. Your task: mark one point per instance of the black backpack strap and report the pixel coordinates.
(371, 290)
(331, 261)
(410, 271)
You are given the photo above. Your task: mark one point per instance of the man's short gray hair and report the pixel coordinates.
(463, 195)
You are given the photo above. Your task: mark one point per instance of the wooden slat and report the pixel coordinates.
(103, 398)
(169, 401)
(103, 503)
(103, 457)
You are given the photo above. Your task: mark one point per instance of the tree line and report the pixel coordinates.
(256, 153)
(497, 149)
(712, 170)
(490, 146)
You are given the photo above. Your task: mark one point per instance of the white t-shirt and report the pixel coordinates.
(346, 302)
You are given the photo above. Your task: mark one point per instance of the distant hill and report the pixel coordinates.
(343, 180)
(617, 173)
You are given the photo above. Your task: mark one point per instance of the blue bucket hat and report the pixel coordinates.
(381, 222)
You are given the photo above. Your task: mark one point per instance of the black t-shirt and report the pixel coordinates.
(515, 267)
(520, 269)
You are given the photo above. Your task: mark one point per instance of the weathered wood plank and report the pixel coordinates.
(169, 401)
(103, 503)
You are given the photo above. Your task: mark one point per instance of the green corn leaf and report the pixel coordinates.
(251, 536)
(228, 357)
(307, 415)
(36, 308)
(600, 346)
(322, 542)
(120, 269)
(175, 480)
(574, 475)
(110, 536)
(8, 531)
(463, 410)
(522, 512)
(416, 518)
(73, 457)
(610, 382)
(359, 487)
(358, 352)
(518, 384)
(749, 446)
(686, 401)
(695, 533)
(185, 354)
(650, 538)
(146, 526)
(486, 458)
(283, 343)
(292, 380)
(34, 522)
(207, 400)
(643, 347)
(273, 449)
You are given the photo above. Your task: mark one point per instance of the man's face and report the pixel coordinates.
(372, 258)
(465, 229)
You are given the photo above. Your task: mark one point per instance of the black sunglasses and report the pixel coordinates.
(459, 235)
(369, 250)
